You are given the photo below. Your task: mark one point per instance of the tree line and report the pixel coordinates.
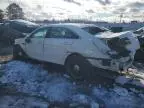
(13, 11)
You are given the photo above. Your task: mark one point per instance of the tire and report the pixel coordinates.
(17, 52)
(78, 67)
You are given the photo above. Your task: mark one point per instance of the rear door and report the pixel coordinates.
(34, 47)
(58, 43)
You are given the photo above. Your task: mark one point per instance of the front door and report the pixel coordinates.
(34, 45)
(58, 43)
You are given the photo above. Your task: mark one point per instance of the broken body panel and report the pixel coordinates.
(120, 48)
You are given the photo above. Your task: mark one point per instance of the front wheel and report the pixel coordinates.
(17, 52)
(78, 67)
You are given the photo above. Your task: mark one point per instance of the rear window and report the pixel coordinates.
(94, 30)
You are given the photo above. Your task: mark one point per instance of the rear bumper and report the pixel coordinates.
(112, 64)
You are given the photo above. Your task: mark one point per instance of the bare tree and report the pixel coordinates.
(14, 11)
(1, 14)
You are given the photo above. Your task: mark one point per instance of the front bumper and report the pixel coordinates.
(112, 64)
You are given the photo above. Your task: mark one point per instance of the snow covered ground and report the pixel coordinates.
(21, 102)
(55, 87)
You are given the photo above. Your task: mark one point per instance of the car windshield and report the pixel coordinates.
(94, 30)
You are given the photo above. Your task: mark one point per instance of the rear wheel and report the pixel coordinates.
(78, 67)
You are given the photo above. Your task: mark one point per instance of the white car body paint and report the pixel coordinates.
(35, 48)
(91, 47)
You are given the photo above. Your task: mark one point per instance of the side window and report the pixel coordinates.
(93, 30)
(59, 32)
(41, 33)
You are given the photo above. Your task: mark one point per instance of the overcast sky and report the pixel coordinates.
(107, 10)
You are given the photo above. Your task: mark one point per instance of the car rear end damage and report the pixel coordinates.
(120, 49)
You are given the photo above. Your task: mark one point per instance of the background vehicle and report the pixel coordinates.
(140, 35)
(116, 29)
(13, 29)
(79, 47)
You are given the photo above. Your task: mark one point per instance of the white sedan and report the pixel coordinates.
(79, 47)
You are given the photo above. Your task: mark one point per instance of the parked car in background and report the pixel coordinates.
(116, 29)
(79, 47)
(22, 26)
(140, 35)
(13, 29)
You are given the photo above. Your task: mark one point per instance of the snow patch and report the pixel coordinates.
(139, 83)
(21, 102)
(120, 91)
(34, 80)
(118, 98)
(122, 80)
(86, 100)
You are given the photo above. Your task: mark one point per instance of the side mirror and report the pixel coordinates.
(28, 40)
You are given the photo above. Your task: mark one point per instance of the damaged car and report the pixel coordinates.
(140, 35)
(79, 47)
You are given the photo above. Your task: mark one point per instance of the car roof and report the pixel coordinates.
(24, 22)
(80, 25)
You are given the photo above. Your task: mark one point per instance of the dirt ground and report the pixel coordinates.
(5, 53)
